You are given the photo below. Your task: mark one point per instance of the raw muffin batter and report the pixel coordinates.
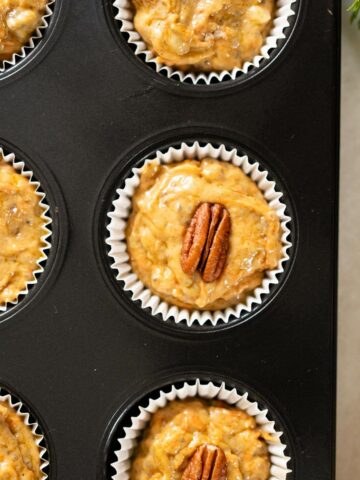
(21, 229)
(178, 429)
(18, 20)
(204, 35)
(163, 206)
(19, 454)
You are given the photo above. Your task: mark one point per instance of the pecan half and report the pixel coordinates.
(207, 463)
(206, 242)
(195, 238)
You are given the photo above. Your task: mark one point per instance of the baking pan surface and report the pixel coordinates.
(82, 110)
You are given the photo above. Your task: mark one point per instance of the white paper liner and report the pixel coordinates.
(21, 410)
(125, 14)
(20, 167)
(122, 210)
(276, 448)
(31, 43)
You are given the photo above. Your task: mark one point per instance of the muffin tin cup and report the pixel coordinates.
(132, 434)
(24, 414)
(20, 167)
(125, 14)
(118, 248)
(32, 42)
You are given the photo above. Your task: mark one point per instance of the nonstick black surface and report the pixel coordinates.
(79, 109)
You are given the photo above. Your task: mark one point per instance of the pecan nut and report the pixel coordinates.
(207, 463)
(206, 242)
(195, 238)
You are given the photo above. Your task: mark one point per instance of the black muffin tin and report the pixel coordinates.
(80, 110)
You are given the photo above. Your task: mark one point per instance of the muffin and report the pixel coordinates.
(19, 453)
(188, 438)
(18, 21)
(201, 235)
(205, 35)
(188, 429)
(22, 232)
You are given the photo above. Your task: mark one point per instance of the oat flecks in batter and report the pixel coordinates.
(204, 35)
(19, 454)
(21, 232)
(18, 20)
(163, 206)
(177, 430)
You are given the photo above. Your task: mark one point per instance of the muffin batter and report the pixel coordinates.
(163, 206)
(204, 35)
(21, 229)
(19, 454)
(178, 429)
(18, 20)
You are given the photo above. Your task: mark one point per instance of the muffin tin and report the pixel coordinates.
(81, 110)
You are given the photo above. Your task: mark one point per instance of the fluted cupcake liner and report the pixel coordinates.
(125, 14)
(38, 435)
(132, 434)
(122, 209)
(20, 167)
(32, 42)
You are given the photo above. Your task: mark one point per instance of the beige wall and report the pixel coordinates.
(348, 422)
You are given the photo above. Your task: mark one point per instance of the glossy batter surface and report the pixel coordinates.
(21, 229)
(19, 454)
(179, 428)
(163, 206)
(18, 20)
(204, 35)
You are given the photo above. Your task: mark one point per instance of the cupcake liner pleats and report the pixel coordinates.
(127, 443)
(33, 40)
(24, 414)
(121, 209)
(125, 15)
(20, 167)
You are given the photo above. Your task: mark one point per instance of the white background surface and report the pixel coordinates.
(348, 415)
